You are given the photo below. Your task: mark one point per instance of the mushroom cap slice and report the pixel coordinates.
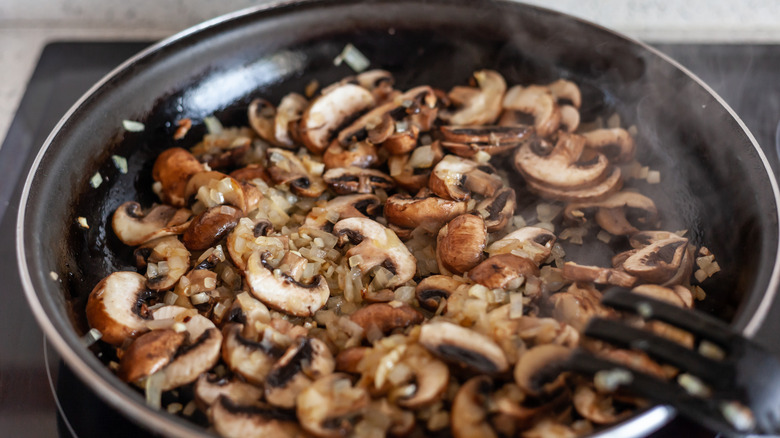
(193, 360)
(256, 420)
(460, 244)
(430, 378)
(559, 168)
(282, 292)
(287, 168)
(538, 101)
(536, 242)
(463, 347)
(499, 270)
(169, 250)
(377, 245)
(347, 180)
(331, 405)
(498, 209)
(457, 178)
(430, 212)
(469, 416)
(605, 188)
(274, 124)
(660, 261)
(133, 226)
(466, 141)
(361, 154)
(208, 388)
(432, 290)
(612, 213)
(563, 89)
(477, 106)
(596, 407)
(386, 317)
(575, 272)
(173, 169)
(616, 143)
(539, 370)
(149, 353)
(116, 307)
(249, 358)
(327, 112)
(346, 206)
(305, 361)
(210, 226)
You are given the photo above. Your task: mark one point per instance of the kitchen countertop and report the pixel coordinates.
(26, 27)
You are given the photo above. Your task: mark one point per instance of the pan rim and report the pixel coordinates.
(89, 369)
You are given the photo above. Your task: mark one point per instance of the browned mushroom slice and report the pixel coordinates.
(117, 307)
(386, 317)
(225, 148)
(251, 172)
(595, 274)
(577, 305)
(596, 407)
(457, 178)
(166, 260)
(378, 82)
(560, 167)
(663, 262)
(616, 143)
(193, 359)
(349, 180)
(605, 188)
(249, 237)
(251, 358)
(287, 168)
(675, 295)
(274, 124)
(348, 359)
(360, 154)
(331, 406)
(537, 101)
(431, 291)
(281, 291)
(412, 171)
(463, 347)
(426, 382)
(538, 371)
(149, 353)
(534, 242)
(377, 246)
(255, 420)
(466, 141)
(210, 226)
(305, 361)
(173, 169)
(327, 113)
(343, 207)
(208, 388)
(214, 188)
(645, 238)
(460, 244)
(403, 140)
(500, 270)
(430, 212)
(614, 211)
(469, 416)
(498, 209)
(133, 226)
(480, 105)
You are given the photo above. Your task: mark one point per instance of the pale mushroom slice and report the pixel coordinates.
(539, 370)
(209, 388)
(331, 406)
(498, 209)
(359, 154)
(430, 212)
(328, 112)
(469, 416)
(576, 305)
(560, 167)
(301, 173)
(377, 246)
(460, 244)
(432, 292)
(166, 260)
(595, 274)
(603, 189)
(538, 101)
(250, 358)
(134, 227)
(214, 188)
(531, 242)
(281, 291)
(570, 118)
(343, 207)
(348, 180)
(467, 141)
(480, 105)
(274, 125)
(255, 420)
(305, 361)
(566, 91)
(612, 213)
(458, 178)
(424, 383)
(463, 347)
(501, 270)
(193, 359)
(249, 237)
(616, 143)
(664, 262)
(173, 169)
(117, 307)
(597, 407)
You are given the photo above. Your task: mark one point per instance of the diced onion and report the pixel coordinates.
(133, 126)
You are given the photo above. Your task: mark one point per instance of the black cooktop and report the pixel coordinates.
(31, 373)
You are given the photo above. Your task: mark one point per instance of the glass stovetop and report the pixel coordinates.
(30, 373)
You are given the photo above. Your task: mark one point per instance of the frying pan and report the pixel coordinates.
(716, 182)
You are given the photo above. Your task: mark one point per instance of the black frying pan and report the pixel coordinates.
(715, 180)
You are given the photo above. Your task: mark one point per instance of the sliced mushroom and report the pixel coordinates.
(431, 291)
(208, 388)
(214, 188)
(605, 188)
(538, 101)
(386, 317)
(579, 303)
(248, 238)
(574, 272)
(457, 178)
(117, 307)
(539, 370)
(252, 359)
(331, 406)
(567, 91)
(463, 347)
(469, 416)
(149, 353)
(477, 106)
(166, 260)
(225, 148)
(377, 246)
(303, 362)
(347, 180)
(281, 291)
(613, 211)
(645, 238)
(360, 154)
(343, 207)
(498, 209)
(193, 359)
(412, 171)
(287, 168)
(378, 82)
(660, 261)
(256, 420)
(274, 124)
(596, 407)
(328, 112)
(616, 143)
(133, 226)
(251, 172)
(559, 167)
(430, 212)
(460, 244)
(403, 140)
(500, 270)
(570, 118)
(677, 295)
(348, 359)
(466, 141)
(173, 169)
(534, 242)
(210, 226)
(427, 380)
